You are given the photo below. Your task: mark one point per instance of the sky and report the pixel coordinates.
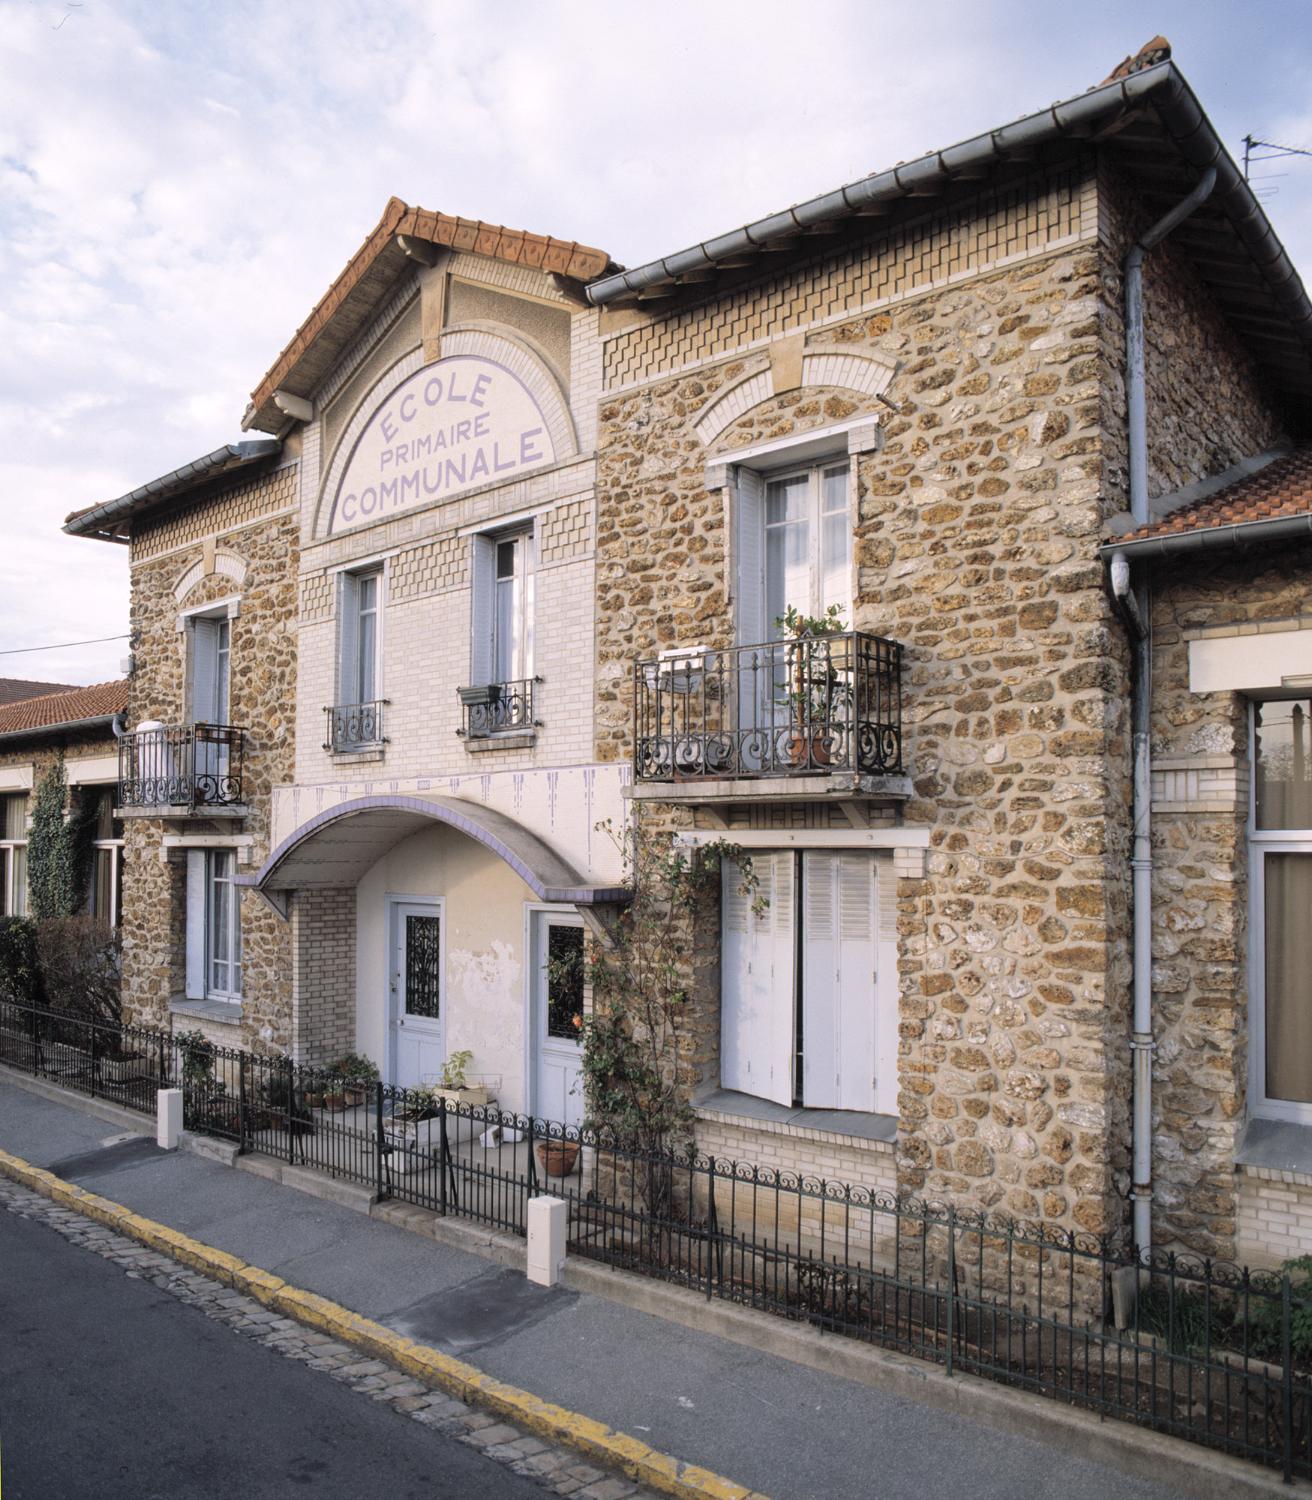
(180, 183)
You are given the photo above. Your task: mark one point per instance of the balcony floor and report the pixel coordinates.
(831, 786)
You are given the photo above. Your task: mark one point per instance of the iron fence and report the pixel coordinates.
(1214, 1353)
(498, 708)
(181, 766)
(810, 706)
(354, 726)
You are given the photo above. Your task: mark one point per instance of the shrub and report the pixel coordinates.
(356, 1067)
(20, 964)
(79, 963)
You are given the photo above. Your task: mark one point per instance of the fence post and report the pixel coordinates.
(442, 1165)
(952, 1284)
(1287, 1376)
(378, 1138)
(91, 1054)
(241, 1101)
(291, 1139)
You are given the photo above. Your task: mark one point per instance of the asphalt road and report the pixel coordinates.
(110, 1387)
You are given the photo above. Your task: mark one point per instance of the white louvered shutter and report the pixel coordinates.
(205, 671)
(196, 924)
(749, 507)
(757, 981)
(839, 943)
(886, 987)
(482, 608)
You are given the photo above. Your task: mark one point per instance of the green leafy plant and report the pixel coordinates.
(454, 1070)
(814, 689)
(58, 848)
(355, 1066)
(634, 1078)
(20, 962)
(197, 1057)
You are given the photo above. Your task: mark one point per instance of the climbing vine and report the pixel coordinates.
(58, 848)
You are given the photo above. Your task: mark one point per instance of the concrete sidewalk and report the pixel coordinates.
(792, 1432)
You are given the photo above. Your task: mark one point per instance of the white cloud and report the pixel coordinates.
(179, 184)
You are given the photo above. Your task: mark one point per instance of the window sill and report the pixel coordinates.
(227, 1012)
(365, 755)
(1279, 1150)
(848, 1127)
(524, 741)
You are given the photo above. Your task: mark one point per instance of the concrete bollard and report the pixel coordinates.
(546, 1240)
(168, 1118)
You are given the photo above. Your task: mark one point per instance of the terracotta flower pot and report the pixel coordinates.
(557, 1158)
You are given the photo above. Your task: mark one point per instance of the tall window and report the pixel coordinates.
(356, 723)
(103, 901)
(13, 854)
(211, 644)
(223, 927)
(364, 668)
(512, 620)
(808, 543)
(1280, 866)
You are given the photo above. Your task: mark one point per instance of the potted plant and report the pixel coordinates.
(357, 1073)
(814, 690)
(556, 1158)
(285, 1100)
(453, 1083)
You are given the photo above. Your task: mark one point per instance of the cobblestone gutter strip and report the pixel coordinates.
(255, 1301)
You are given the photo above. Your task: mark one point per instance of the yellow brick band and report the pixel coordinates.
(617, 1450)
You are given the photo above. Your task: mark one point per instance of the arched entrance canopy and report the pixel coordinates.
(337, 847)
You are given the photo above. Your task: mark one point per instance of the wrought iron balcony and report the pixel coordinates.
(498, 708)
(355, 726)
(177, 768)
(809, 707)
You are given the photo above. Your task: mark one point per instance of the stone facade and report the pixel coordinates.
(255, 522)
(978, 517)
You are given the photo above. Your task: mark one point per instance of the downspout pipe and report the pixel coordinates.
(1134, 599)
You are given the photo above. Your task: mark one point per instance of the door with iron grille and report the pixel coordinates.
(417, 993)
(558, 994)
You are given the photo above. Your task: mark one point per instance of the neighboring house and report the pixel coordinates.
(81, 723)
(15, 689)
(210, 727)
(516, 554)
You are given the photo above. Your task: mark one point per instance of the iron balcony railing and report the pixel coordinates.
(354, 726)
(498, 708)
(181, 767)
(811, 706)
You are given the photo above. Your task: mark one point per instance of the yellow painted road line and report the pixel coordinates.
(617, 1450)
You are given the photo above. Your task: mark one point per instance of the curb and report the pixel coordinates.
(617, 1450)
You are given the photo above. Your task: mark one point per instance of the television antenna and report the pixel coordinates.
(1256, 151)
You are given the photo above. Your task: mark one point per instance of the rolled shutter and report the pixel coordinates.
(839, 943)
(482, 608)
(757, 981)
(348, 639)
(196, 945)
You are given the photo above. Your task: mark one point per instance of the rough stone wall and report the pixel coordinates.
(1206, 406)
(976, 528)
(1200, 891)
(262, 697)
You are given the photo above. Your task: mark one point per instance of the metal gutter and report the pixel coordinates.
(1162, 86)
(100, 520)
(73, 726)
(1212, 538)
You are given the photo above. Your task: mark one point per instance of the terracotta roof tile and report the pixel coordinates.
(95, 702)
(568, 257)
(1283, 488)
(15, 689)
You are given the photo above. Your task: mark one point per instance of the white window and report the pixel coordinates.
(358, 672)
(103, 901)
(810, 1023)
(1280, 894)
(794, 541)
(13, 854)
(211, 640)
(501, 648)
(213, 926)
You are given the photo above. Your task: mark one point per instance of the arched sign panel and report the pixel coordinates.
(462, 422)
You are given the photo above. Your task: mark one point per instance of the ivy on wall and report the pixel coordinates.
(57, 849)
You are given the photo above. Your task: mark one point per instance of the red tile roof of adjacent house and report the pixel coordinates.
(14, 689)
(1283, 488)
(341, 310)
(100, 701)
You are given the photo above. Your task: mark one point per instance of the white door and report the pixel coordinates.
(557, 1002)
(417, 994)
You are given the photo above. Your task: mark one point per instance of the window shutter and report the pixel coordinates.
(204, 671)
(482, 608)
(838, 982)
(348, 636)
(887, 998)
(757, 981)
(196, 907)
(749, 503)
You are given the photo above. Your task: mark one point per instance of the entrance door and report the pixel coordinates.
(558, 979)
(418, 1046)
